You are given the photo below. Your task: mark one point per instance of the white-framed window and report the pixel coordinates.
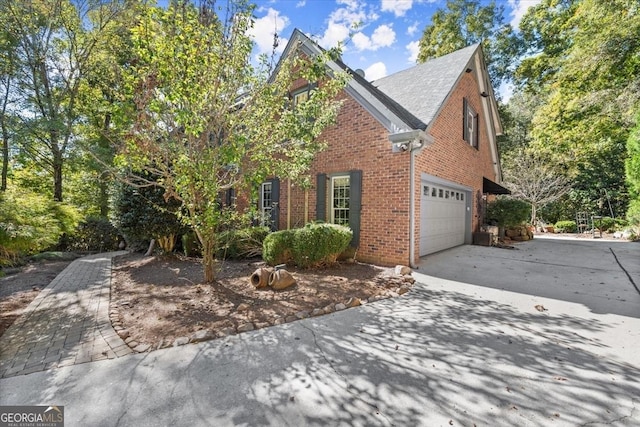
(300, 97)
(340, 193)
(266, 201)
(470, 125)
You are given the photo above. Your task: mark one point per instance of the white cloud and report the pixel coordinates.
(518, 9)
(398, 7)
(383, 36)
(375, 71)
(413, 48)
(412, 29)
(301, 3)
(334, 34)
(343, 20)
(264, 29)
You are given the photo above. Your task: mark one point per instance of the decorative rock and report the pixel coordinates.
(353, 302)
(246, 327)
(226, 332)
(409, 279)
(260, 325)
(302, 314)
(290, 319)
(340, 306)
(128, 340)
(317, 312)
(243, 307)
(141, 348)
(280, 321)
(202, 335)
(403, 289)
(402, 270)
(124, 334)
(180, 341)
(329, 309)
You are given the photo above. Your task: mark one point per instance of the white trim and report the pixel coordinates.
(331, 195)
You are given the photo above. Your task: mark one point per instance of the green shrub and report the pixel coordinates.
(311, 246)
(565, 226)
(319, 244)
(94, 234)
(191, 244)
(609, 225)
(31, 223)
(277, 247)
(142, 214)
(243, 243)
(507, 212)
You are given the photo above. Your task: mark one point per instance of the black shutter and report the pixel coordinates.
(275, 203)
(476, 131)
(355, 205)
(465, 128)
(230, 195)
(321, 197)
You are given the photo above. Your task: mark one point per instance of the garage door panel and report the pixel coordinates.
(443, 218)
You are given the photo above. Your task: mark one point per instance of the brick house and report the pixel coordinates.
(409, 160)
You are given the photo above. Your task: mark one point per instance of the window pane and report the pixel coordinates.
(340, 200)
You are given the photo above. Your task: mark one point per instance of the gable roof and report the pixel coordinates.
(433, 80)
(393, 102)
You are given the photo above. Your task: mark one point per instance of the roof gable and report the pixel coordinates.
(433, 81)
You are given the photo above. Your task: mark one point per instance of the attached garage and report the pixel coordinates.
(445, 215)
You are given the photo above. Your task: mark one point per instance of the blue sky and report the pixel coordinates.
(386, 40)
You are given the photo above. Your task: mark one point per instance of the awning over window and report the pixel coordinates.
(491, 187)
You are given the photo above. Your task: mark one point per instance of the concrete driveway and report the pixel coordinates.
(447, 353)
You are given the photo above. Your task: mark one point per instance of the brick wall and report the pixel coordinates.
(450, 157)
(358, 141)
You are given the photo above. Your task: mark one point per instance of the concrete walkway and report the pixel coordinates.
(448, 353)
(66, 324)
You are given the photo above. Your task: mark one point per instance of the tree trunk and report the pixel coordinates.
(152, 244)
(533, 214)
(57, 173)
(5, 157)
(208, 259)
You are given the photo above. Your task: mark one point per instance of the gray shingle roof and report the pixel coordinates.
(422, 89)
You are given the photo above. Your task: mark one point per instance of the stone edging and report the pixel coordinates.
(403, 279)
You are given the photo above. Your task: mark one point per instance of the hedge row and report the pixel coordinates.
(311, 246)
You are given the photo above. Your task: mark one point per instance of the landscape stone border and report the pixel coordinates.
(402, 279)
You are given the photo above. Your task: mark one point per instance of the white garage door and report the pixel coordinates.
(442, 217)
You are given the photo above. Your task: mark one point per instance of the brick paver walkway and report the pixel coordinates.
(68, 322)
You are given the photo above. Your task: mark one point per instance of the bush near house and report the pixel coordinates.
(242, 243)
(310, 246)
(508, 212)
(565, 226)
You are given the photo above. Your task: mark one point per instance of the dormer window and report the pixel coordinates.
(470, 124)
(302, 95)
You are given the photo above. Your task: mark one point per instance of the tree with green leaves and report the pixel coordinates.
(206, 120)
(588, 73)
(52, 44)
(465, 22)
(632, 171)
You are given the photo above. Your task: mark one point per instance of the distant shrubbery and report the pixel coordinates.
(567, 226)
(31, 223)
(310, 246)
(94, 234)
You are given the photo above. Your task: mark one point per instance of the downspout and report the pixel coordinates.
(412, 208)
(411, 141)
